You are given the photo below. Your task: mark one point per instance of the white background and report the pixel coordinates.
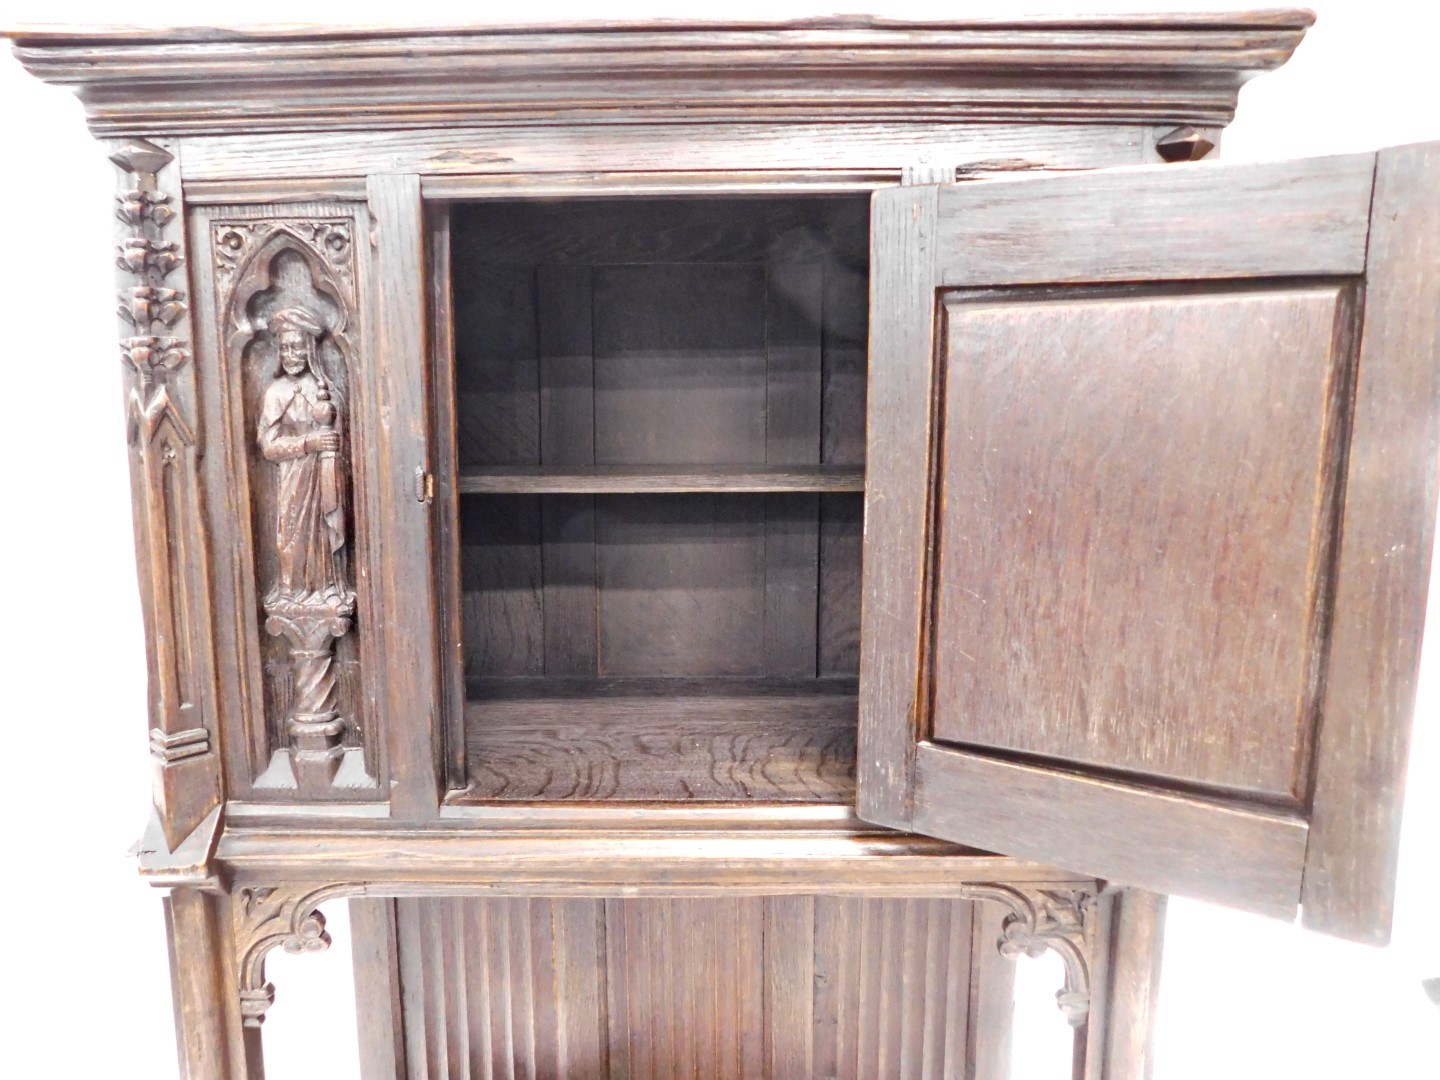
(1242, 997)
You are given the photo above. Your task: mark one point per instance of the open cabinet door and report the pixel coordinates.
(1149, 507)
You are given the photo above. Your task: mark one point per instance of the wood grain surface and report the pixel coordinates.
(1205, 220)
(1158, 70)
(1274, 413)
(400, 334)
(689, 376)
(1137, 493)
(899, 437)
(651, 741)
(780, 987)
(1387, 532)
(1171, 841)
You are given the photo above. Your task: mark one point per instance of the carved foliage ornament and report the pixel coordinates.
(235, 242)
(150, 307)
(153, 309)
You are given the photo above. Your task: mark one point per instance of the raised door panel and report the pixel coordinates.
(1140, 557)
(1149, 513)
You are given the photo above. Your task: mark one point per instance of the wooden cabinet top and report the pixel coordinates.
(1094, 70)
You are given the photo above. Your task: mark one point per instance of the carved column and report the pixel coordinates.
(314, 723)
(169, 534)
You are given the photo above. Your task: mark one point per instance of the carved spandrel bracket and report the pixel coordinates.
(1055, 920)
(267, 918)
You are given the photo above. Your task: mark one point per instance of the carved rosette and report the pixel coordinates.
(286, 294)
(153, 310)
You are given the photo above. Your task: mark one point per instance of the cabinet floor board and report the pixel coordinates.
(661, 740)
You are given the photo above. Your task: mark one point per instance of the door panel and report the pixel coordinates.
(1148, 527)
(1134, 526)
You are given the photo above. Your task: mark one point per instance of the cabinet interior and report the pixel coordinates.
(659, 425)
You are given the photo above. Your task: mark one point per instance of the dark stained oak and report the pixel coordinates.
(1387, 527)
(445, 519)
(628, 740)
(1130, 935)
(379, 1008)
(1279, 218)
(1127, 71)
(1138, 638)
(897, 512)
(666, 389)
(793, 158)
(736, 987)
(400, 337)
(673, 502)
(1114, 826)
(1142, 516)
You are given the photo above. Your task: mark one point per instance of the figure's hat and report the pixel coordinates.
(296, 318)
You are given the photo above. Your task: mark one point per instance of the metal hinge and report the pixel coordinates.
(424, 485)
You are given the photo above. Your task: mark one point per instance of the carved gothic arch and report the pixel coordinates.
(248, 262)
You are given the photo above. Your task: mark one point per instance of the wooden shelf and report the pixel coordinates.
(671, 740)
(651, 479)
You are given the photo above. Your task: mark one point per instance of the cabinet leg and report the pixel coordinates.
(992, 998)
(1116, 1044)
(211, 1041)
(375, 938)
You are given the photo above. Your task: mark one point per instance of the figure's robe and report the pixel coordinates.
(310, 517)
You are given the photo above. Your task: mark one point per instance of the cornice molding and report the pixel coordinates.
(1146, 70)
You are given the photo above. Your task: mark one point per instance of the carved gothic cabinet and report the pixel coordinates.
(645, 512)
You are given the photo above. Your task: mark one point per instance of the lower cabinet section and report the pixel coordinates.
(746, 987)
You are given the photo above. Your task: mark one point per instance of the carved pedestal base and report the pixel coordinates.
(281, 774)
(311, 625)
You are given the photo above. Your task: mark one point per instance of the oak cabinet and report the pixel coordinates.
(715, 555)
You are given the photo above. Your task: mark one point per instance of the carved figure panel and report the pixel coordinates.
(286, 293)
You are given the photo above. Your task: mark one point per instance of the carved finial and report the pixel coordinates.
(141, 157)
(1183, 144)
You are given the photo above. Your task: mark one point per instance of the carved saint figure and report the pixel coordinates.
(300, 429)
